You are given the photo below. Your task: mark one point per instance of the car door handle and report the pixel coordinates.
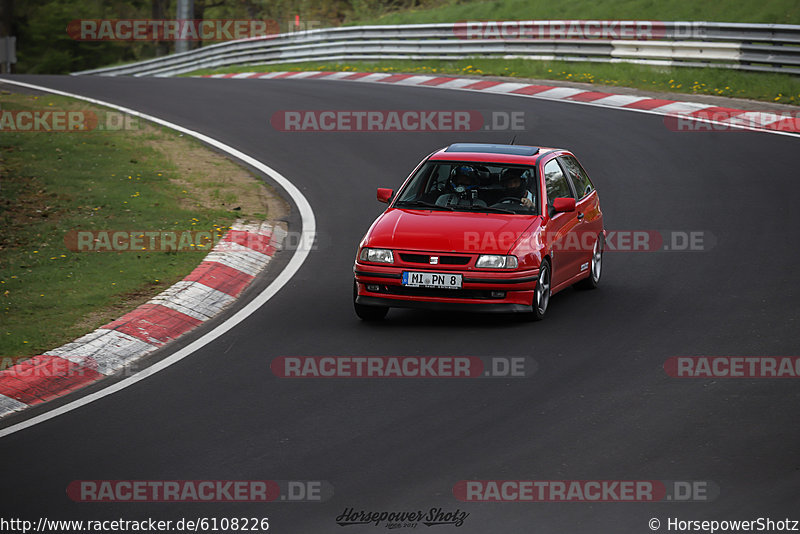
(580, 216)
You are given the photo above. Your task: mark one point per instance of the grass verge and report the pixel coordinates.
(142, 178)
(775, 88)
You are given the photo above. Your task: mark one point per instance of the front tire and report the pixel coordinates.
(541, 295)
(367, 313)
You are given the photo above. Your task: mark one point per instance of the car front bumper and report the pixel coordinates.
(481, 291)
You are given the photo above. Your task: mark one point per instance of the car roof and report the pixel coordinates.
(491, 153)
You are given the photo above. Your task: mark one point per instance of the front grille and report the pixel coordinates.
(426, 259)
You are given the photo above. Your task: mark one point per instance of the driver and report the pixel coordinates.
(463, 178)
(515, 185)
(462, 187)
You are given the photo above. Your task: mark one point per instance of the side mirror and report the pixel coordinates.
(385, 195)
(563, 205)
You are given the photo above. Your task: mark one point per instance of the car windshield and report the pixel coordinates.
(470, 186)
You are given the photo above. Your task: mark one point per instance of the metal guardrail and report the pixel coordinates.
(753, 47)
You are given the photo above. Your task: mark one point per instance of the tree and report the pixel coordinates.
(159, 12)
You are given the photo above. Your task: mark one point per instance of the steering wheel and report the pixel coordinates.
(508, 199)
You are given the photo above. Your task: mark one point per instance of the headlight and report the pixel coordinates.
(492, 261)
(376, 255)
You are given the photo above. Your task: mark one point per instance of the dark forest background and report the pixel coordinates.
(43, 45)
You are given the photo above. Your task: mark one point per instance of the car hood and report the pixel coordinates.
(448, 231)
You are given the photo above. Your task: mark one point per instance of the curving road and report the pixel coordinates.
(600, 405)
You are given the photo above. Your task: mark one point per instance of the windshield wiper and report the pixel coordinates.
(422, 203)
(493, 210)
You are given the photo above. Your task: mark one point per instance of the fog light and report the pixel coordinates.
(373, 287)
(498, 294)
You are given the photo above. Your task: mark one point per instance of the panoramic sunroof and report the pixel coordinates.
(512, 150)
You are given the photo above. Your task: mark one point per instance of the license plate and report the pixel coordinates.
(435, 280)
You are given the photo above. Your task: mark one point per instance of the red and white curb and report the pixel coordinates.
(227, 270)
(694, 111)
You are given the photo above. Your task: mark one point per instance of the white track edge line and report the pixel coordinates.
(297, 260)
(592, 104)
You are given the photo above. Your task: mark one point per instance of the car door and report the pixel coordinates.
(563, 253)
(589, 221)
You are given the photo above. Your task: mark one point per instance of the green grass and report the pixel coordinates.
(767, 11)
(54, 182)
(781, 88)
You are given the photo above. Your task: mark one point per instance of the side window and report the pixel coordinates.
(583, 186)
(557, 186)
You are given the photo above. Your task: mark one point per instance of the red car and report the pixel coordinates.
(483, 227)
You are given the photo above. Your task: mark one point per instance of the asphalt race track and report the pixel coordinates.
(599, 407)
